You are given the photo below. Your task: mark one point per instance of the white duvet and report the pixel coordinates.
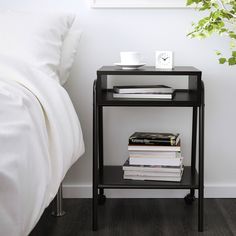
(40, 138)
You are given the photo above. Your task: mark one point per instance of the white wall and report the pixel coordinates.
(107, 32)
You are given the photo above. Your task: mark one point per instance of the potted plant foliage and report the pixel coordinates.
(220, 19)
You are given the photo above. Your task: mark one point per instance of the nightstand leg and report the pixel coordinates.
(95, 161)
(100, 145)
(194, 139)
(193, 149)
(201, 164)
(95, 212)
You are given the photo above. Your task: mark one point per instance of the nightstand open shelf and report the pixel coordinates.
(182, 98)
(111, 177)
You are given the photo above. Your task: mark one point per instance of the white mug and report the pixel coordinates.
(130, 58)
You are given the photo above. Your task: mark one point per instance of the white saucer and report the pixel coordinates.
(130, 67)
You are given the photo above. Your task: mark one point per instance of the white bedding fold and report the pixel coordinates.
(40, 138)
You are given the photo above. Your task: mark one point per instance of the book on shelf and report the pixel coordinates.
(138, 147)
(154, 154)
(153, 173)
(143, 89)
(154, 138)
(152, 168)
(155, 161)
(144, 96)
(157, 178)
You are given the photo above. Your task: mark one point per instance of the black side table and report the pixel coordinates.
(111, 177)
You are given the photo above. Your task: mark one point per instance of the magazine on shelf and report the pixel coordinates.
(143, 89)
(144, 96)
(153, 168)
(157, 178)
(154, 154)
(155, 161)
(135, 147)
(153, 173)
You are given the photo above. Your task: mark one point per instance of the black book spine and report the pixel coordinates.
(116, 90)
(163, 142)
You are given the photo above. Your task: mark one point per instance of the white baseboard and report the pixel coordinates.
(220, 191)
(211, 191)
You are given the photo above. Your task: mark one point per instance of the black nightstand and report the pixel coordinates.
(111, 177)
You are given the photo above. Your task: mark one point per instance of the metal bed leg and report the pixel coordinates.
(58, 204)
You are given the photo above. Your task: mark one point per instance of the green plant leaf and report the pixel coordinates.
(234, 54)
(222, 60)
(232, 61)
(232, 35)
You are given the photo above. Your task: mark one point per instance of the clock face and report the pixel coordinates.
(164, 59)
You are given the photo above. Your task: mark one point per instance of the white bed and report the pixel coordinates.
(40, 134)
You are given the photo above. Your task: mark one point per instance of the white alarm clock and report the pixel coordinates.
(164, 60)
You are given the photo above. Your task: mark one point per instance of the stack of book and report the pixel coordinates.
(143, 91)
(154, 156)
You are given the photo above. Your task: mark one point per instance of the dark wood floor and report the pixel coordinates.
(144, 217)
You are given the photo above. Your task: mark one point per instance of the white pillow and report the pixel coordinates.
(69, 49)
(35, 38)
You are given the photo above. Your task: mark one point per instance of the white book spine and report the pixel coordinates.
(152, 173)
(145, 90)
(153, 148)
(155, 161)
(153, 169)
(160, 178)
(155, 155)
(142, 95)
